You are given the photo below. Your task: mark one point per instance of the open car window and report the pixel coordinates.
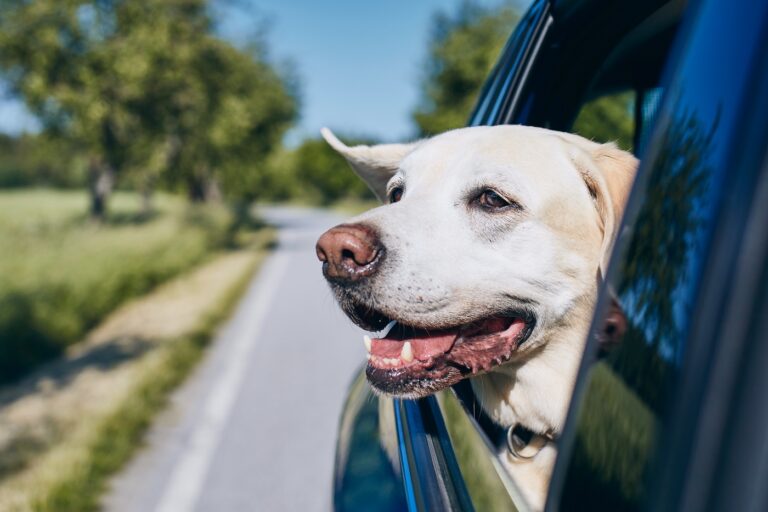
(623, 117)
(598, 77)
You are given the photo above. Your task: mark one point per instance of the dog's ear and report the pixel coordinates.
(609, 173)
(374, 164)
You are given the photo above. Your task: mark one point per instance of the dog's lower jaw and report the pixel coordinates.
(418, 388)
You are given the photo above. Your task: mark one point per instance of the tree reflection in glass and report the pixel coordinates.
(642, 340)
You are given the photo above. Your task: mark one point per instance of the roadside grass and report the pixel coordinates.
(100, 414)
(60, 273)
(119, 436)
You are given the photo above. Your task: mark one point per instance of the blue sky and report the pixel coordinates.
(359, 63)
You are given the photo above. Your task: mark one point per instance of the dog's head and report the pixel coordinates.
(490, 239)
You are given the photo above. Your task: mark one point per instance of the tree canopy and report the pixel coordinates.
(148, 91)
(462, 51)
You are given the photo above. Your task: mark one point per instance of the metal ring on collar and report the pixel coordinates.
(523, 443)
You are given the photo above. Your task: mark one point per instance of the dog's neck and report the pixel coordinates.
(535, 389)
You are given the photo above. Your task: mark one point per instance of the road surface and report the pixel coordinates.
(254, 427)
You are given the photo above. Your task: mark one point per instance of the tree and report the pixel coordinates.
(463, 50)
(243, 110)
(324, 171)
(57, 55)
(147, 89)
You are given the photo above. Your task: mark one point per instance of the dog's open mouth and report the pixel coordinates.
(413, 362)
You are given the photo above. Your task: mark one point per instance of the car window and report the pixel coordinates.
(509, 67)
(609, 118)
(623, 117)
(366, 471)
(641, 338)
(605, 88)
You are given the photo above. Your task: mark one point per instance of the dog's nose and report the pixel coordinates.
(349, 252)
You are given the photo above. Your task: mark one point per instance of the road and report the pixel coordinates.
(254, 427)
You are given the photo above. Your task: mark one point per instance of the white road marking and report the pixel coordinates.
(188, 476)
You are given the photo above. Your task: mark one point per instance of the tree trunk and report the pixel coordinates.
(202, 187)
(147, 203)
(101, 180)
(196, 188)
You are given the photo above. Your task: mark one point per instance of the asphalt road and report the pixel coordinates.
(254, 428)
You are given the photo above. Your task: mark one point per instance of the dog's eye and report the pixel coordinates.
(492, 200)
(395, 194)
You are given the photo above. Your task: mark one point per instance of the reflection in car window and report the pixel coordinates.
(608, 118)
(624, 118)
(366, 477)
(642, 346)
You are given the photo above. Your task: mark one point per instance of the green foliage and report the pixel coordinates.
(325, 174)
(463, 50)
(120, 434)
(314, 173)
(40, 160)
(608, 118)
(64, 274)
(148, 91)
(615, 437)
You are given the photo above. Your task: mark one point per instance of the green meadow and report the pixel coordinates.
(61, 273)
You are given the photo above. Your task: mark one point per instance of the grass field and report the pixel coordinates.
(76, 421)
(60, 273)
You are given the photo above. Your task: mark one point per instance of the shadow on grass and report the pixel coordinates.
(117, 218)
(61, 373)
(22, 446)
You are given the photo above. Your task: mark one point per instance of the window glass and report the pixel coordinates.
(496, 87)
(609, 118)
(485, 480)
(618, 118)
(619, 442)
(366, 474)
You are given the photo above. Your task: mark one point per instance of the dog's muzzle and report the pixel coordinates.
(349, 252)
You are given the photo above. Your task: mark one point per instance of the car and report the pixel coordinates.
(669, 409)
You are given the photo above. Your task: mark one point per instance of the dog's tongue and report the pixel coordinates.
(423, 343)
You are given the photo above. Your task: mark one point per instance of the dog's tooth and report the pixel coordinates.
(367, 342)
(406, 354)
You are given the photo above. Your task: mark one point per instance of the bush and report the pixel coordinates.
(40, 160)
(314, 172)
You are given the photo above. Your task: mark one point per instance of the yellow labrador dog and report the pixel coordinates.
(484, 262)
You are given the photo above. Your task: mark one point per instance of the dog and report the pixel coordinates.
(484, 262)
